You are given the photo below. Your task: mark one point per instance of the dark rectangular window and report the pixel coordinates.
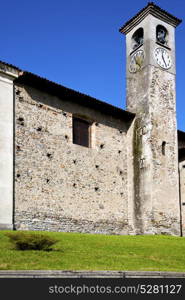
(81, 132)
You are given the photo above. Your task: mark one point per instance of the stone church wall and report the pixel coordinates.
(60, 186)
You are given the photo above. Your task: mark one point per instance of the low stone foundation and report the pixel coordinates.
(39, 221)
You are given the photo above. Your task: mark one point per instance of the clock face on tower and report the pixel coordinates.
(163, 58)
(136, 61)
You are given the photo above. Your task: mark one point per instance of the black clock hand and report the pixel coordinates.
(164, 60)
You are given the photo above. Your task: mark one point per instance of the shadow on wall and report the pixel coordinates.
(100, 113)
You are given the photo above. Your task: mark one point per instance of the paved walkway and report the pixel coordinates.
(87, 274)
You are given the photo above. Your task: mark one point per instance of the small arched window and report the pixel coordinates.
(161, 34)
(137, 38)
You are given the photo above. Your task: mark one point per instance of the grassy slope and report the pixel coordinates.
(76, 251)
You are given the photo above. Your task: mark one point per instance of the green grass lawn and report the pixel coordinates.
(76, 251)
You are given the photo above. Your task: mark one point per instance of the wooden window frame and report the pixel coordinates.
(77, 138)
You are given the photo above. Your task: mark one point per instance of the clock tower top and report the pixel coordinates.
(150, 40)
(153, 10)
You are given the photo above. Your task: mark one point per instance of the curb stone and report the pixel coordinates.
(87, 274)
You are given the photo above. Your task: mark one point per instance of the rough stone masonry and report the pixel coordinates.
(125, 179)
(63, 186)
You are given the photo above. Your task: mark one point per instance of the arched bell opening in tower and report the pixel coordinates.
(161, 35)
(137, 38)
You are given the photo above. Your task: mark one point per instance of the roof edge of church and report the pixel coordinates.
(153, 9)
(10, 65)
(68, 94)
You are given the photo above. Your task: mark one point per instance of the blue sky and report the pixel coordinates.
(77, 43)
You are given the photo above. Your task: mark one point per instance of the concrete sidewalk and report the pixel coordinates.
(87, 274)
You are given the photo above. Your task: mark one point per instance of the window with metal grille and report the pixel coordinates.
(81, 132)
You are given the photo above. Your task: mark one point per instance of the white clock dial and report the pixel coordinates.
(136, 61)
(163, 58)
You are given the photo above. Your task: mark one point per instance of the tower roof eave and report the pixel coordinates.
(154, 10)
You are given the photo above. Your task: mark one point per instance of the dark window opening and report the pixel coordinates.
(81, 132)
(163, 148)
(161, 35)
(137, 38)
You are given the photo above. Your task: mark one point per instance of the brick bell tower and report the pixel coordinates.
(150, 75)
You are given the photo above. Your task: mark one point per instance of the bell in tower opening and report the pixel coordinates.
(137, 38)
(161, 35)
